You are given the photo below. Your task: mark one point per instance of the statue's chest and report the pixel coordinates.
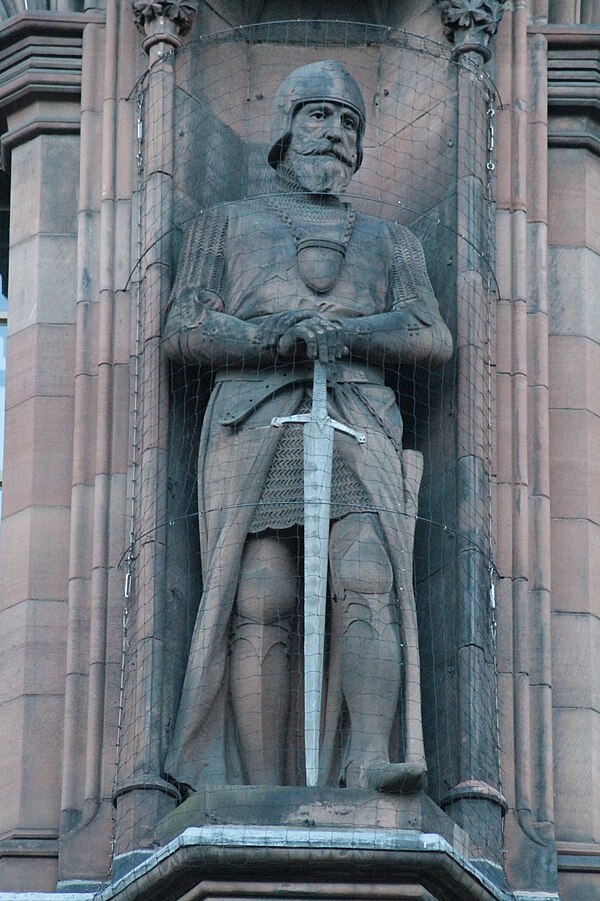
(327, 267)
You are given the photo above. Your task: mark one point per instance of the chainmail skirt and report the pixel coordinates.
(281, 504)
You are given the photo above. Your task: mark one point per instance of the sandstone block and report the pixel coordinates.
(575, 767)
(575, 664)
(52, 349)
(39, 436)
(575, 565)
(51, 206)
(34, 555)
(573, 278)
(574, 364)
(43, 281)
(575, 464)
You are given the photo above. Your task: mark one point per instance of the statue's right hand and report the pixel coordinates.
(324, 339)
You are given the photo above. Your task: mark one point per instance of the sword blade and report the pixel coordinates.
(318, 456)
(318, 436)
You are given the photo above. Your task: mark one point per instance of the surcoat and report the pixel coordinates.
(241, 260)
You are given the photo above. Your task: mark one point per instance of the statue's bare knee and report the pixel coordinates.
(267, 587)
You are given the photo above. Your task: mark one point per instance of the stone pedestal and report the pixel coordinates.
(331, 808)
(259, 842)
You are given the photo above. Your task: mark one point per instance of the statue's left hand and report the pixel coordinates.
(271, 328)
(323, 339)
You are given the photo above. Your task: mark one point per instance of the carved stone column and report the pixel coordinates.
(142, 795)
(475, 802)
(163, 22)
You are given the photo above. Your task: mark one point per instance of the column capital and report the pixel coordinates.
(164, 21)
(469, 24)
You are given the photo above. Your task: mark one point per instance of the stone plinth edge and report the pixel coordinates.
(324, 807)
(46, 896)
(280, 859)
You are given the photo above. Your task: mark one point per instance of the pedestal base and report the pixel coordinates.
(257, 843)
(258, 805)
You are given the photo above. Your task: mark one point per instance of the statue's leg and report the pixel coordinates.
(260, 649)
(362, 579)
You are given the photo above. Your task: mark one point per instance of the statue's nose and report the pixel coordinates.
(334, 133)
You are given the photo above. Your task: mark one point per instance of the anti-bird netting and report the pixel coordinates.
(214, 676)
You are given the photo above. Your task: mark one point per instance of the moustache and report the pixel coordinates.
(327, 150)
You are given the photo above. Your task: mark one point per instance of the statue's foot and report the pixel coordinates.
(378, 774)
(403, 778)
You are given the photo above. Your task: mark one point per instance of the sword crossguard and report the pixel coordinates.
(278, 421)
(318, 413)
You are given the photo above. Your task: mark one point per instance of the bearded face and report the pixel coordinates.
(322, 151)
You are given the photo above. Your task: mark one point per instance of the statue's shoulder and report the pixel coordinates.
(208, 218)
(402, 234)
(373, 225)
(386, 228)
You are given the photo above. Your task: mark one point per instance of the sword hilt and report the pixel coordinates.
(318, 412)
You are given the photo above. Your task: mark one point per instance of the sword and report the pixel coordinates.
(318, 434)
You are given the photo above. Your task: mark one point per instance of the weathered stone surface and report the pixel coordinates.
(39, 436)
(575, 565)
(41, 568)
(52, 347)
(574, 364)
(33, 648)
(338, 808)
(573, 199)
(573, 276)
(575, 765)
(43, 285)
(353, 863)
(53, 208)
(38, 873)
(31, 752)
(575, 464)
(580, 886)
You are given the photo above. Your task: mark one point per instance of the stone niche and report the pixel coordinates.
(401, 846)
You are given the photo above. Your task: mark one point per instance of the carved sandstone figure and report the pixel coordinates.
(264, 288)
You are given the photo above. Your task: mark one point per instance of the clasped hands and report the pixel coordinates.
(305, 333)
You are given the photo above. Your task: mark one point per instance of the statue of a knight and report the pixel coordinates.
(264, 289)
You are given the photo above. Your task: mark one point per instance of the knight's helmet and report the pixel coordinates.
(326, 80)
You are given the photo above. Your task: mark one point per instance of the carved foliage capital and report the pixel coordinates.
(469, 24)
(179, 13)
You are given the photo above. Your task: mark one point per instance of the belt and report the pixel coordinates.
(339, 372)
(254, 387)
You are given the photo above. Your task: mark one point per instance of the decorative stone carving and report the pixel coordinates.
(165, 18)
(469, 24)
(296, 302)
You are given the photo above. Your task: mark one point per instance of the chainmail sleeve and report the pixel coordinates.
(410, 284)
(200, 279)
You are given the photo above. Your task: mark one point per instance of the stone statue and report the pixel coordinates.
(268, 293)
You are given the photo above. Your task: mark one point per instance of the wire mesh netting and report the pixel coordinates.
(280, 632)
